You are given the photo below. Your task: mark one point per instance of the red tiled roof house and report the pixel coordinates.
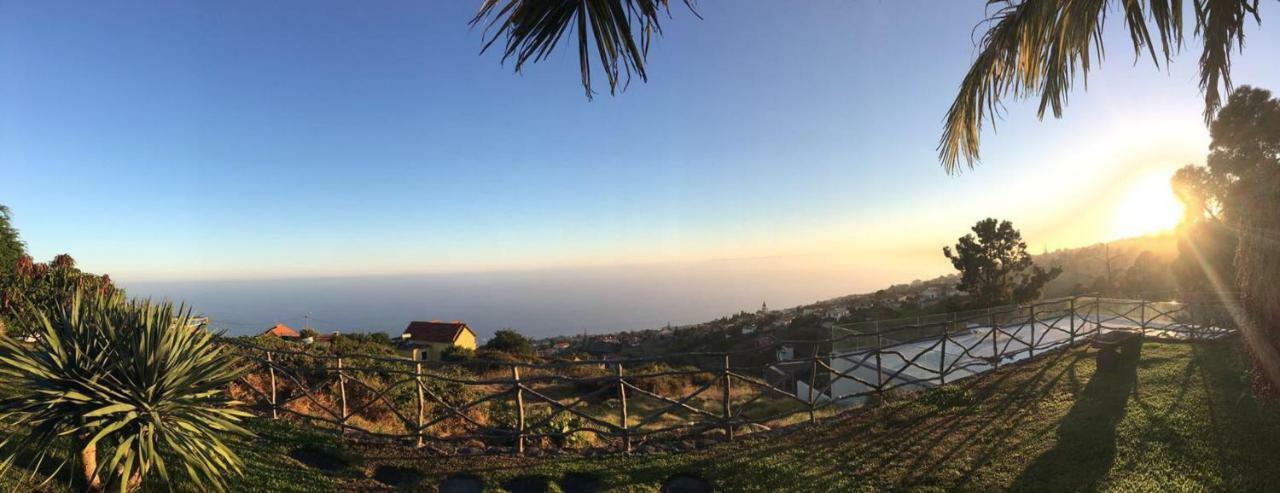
(282, 331)
(436, 336)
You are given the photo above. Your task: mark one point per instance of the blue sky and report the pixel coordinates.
(225, 140)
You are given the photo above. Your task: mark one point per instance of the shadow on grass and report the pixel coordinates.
(900, 447)
(1085, 448)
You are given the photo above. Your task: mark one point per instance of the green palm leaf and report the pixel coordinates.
(1039, 47)
(619, 31)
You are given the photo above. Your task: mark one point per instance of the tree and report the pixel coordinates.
(1148, 275)
(127, 377)
(1030, 47)
(1242, 181)
(308, 333)
(1205, 267)
(995, 267)
(509, 341)
(35, 288)
(11, 247)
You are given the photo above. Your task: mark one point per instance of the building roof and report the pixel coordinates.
(282, 330)
(436, 331)
(327, 337)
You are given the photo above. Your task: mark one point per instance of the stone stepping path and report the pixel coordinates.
(399, 477)
(461, 484)
(686, 484)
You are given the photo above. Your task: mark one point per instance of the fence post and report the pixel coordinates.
(813, 381)
(342, 393)
(942, 361)
(1142, 316)
(519, 389)
(622, 396)
(417, 378)
(879, 368)
(728, 416)
(995, 348)
(271, 369)
(1071, 334)
(1031, 347)
(1097, 315)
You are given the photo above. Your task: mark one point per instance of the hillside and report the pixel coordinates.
(1085, 268)
(1132, 268)
(1181, 418)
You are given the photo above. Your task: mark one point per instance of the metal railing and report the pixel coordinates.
(620, 403)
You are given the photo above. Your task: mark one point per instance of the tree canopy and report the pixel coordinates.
(1236, 197)
(11, 247)
(42, 287)
(995, 267)
(509, 341)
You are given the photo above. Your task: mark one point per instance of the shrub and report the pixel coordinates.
(564, 430)
(457, 354)
(128, 377)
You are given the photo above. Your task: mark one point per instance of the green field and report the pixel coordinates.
(1179, 418)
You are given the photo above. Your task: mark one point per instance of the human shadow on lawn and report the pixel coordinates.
(1086, 437)
(880, 447)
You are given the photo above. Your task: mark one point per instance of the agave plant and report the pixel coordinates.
(129, 379)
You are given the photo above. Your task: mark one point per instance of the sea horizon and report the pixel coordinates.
(537, 302)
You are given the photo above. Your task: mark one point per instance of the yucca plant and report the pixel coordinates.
(129, 379)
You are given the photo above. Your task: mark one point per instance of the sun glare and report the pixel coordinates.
(1147, 207)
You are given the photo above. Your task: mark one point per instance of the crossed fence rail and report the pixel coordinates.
(509, 405)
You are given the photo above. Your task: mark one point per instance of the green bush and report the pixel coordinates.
(559, 431)
(457, 354)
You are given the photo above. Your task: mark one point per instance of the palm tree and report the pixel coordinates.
(128, 378)
(1030, 48)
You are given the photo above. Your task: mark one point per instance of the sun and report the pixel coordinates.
(1148, 206)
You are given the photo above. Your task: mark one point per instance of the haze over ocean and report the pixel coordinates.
(539, 303)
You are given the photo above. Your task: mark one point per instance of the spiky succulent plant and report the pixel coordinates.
(129, 379)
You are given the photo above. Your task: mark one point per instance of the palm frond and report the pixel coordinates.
(1038, 47)
(1220, 23)
(619, 31)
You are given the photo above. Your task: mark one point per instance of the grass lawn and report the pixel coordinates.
(1180, 418)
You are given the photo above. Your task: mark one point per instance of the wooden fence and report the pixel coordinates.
(618, 404)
